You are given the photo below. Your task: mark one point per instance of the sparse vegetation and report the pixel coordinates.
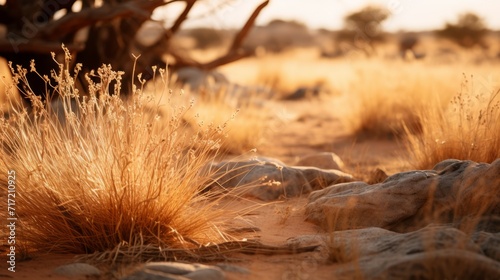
(107, 175)
(467, 128)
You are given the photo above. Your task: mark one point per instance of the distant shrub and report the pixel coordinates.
(467, 32)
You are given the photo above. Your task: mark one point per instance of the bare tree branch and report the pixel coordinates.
(182, 17)
(226, 59)
(71, 23)
(234, 53)
(238, 39)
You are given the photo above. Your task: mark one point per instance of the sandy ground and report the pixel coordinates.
(310, 127)
(316, 127)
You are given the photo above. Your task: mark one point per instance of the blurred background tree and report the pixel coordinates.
(363, 29)
(468, 31)
(279, 35)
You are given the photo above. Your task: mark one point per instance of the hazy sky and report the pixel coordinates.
(408, 15)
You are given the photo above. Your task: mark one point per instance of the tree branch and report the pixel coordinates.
(182, 17)
(242, 34)
(234, 53)
(71, 23)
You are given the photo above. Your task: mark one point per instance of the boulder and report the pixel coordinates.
(460, 192)
(269, 179)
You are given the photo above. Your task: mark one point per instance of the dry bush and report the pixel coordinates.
(109, 175)
(468, 129)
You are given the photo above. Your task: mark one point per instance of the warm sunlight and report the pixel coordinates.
(407, 15)
(249, 139)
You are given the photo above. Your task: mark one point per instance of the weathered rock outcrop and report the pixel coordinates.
(442, 223)
(269, 179)
(434, 252)
(464, 193)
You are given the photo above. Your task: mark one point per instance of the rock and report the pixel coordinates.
(442, 264)
(77, 269)
(460, 192)
(434, 252)
(176, 271)
(489, 244)
(323, 160)
(269, 180)
(445, 163)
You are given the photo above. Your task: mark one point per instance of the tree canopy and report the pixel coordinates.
(363, 28)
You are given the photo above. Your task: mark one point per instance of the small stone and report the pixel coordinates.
(77, 269)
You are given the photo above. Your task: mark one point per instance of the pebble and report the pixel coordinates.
(77, 269)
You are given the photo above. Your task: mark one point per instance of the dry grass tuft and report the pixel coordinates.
(107, 175)
(468, 129)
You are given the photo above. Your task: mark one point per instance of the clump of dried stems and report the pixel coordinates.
(97, 174)
(467, 129)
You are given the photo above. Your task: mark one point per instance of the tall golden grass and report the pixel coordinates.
(467, 129)
(103, 174)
